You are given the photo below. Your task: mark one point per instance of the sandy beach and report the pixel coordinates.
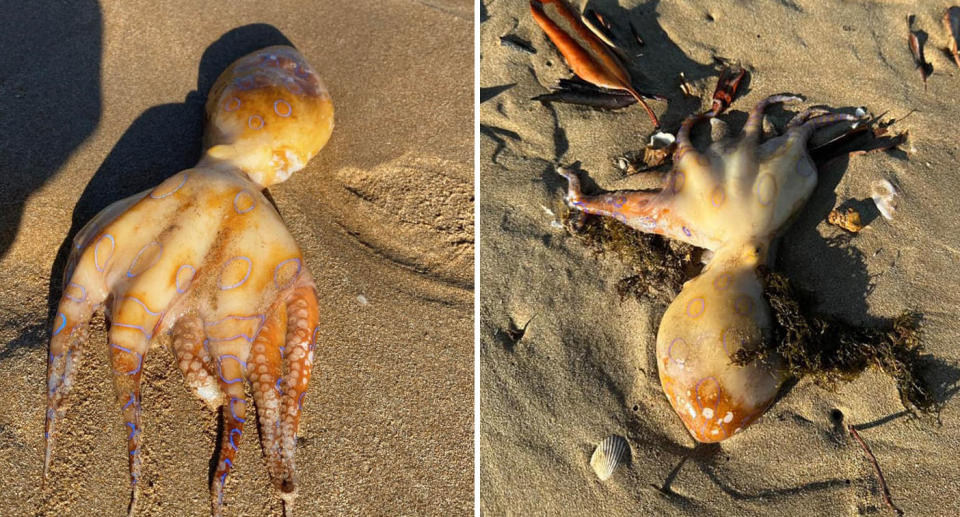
(584, 366)
(103, 101)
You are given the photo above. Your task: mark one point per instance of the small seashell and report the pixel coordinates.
(849, 220)
(886, 197)
(659, 140)
(608, 456)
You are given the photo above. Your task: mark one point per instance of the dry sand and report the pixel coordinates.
(101, 101)
(584, 368)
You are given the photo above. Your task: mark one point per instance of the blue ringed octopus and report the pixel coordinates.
(732, 199)
(205, 262)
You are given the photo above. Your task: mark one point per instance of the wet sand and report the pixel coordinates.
(584, 368)
(102, 102)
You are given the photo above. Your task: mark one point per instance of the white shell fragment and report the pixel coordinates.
(660, 140)
(886, 197)
(610, 453)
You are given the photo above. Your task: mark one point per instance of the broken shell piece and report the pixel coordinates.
(608, 455)
(659, 149)
(659, 140)
(886, 197)
(849, 219)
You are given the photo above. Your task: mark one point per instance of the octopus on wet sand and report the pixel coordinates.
(206, 259)
(733, 199)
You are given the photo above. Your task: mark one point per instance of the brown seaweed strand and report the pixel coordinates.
(876, 467)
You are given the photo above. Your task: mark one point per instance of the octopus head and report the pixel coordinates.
(268, 114)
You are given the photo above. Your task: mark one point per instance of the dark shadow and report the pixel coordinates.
(49, 95)
(492, 91)
(655, 67)
(162, 141)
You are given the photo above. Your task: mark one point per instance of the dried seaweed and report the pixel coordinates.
(660, 265)
(831, 351)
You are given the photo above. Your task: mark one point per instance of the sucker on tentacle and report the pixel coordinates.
(204, 256)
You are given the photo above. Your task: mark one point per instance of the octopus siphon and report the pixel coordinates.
(205, 259)
(733, 199)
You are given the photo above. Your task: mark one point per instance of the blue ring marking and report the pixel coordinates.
(253, 202)
(133, 430)
(758, 192)
(619, 201)
(289, 108)
(238, 284)
(277, 387)
(206, 345)
(300, 400)
(679, 180)
(181, 290)
(182, 182)
(250, 122)
(686, 231)
(670, 351)
(135, 451)
(139, 364)
(46, 435)
(137, 258)
(293, 278)
(282, 350)
(83, 293)
(648, 222)
(136, 327)
(226, 105)
(63, 323)
(233, 413)
(125, 406)
(137, 300)
(230, 437)
(220, 368)
(96, 251)
(697, 391)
